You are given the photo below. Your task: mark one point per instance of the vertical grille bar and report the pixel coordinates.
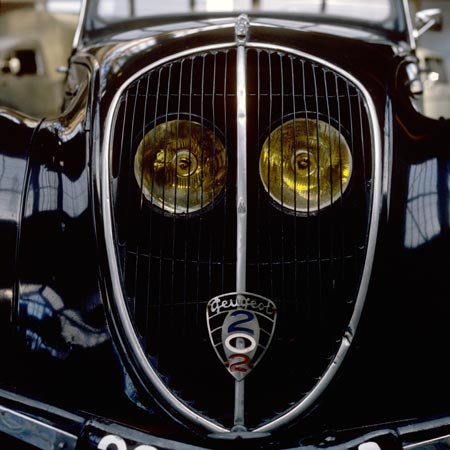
(241, 206)
(363, 155)
(213, 112)
(136, 90)
(141, 195)
(259, 201)
(151, 221)
(191, 81)
(319, 228)
(225, 208)
(291, 59)
(350, 122)
(331, 221)
(201, 224)
(269, 211)
(308, 240)
(282, 231)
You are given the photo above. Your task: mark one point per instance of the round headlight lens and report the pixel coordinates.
(180, 166)
(305, 165)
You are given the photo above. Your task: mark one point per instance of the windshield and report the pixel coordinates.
(384, 14)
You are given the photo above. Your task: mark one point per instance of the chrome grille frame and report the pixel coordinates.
(117, 292)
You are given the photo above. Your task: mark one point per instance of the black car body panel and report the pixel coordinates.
(63, 340)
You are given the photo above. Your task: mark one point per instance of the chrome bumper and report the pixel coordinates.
(46, 427)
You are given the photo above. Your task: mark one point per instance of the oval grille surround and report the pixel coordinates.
(309, 264)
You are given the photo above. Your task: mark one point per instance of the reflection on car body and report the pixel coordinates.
(235, 234)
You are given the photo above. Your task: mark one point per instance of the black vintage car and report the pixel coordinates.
(236, 234)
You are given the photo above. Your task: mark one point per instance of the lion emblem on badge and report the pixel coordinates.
(241, 326)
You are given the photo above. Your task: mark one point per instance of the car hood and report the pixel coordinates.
(121, 53)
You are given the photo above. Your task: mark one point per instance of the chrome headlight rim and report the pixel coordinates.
(161, 207)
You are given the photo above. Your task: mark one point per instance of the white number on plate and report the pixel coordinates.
(111, 442)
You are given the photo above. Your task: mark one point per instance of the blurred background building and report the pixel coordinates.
(437, 40)
(35, 43)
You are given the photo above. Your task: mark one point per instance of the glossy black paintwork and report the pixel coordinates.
(54, 283)
(57, 248)
(16, 132)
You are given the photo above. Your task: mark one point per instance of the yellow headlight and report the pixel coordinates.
(305, 165)
(180, 166)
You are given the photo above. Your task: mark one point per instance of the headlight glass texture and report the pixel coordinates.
(180, 166)
(305, 165)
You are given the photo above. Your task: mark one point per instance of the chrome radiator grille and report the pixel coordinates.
(309, 262)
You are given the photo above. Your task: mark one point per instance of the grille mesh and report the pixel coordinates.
(310, 264)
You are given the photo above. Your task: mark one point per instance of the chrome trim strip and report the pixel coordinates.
(417, 445)
(388, 154)
(241, 196)
(34, 432)
(106, 206)
(80, 26)
(318, 389)
(241, 207)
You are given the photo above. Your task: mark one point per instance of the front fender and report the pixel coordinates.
(16, 137)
